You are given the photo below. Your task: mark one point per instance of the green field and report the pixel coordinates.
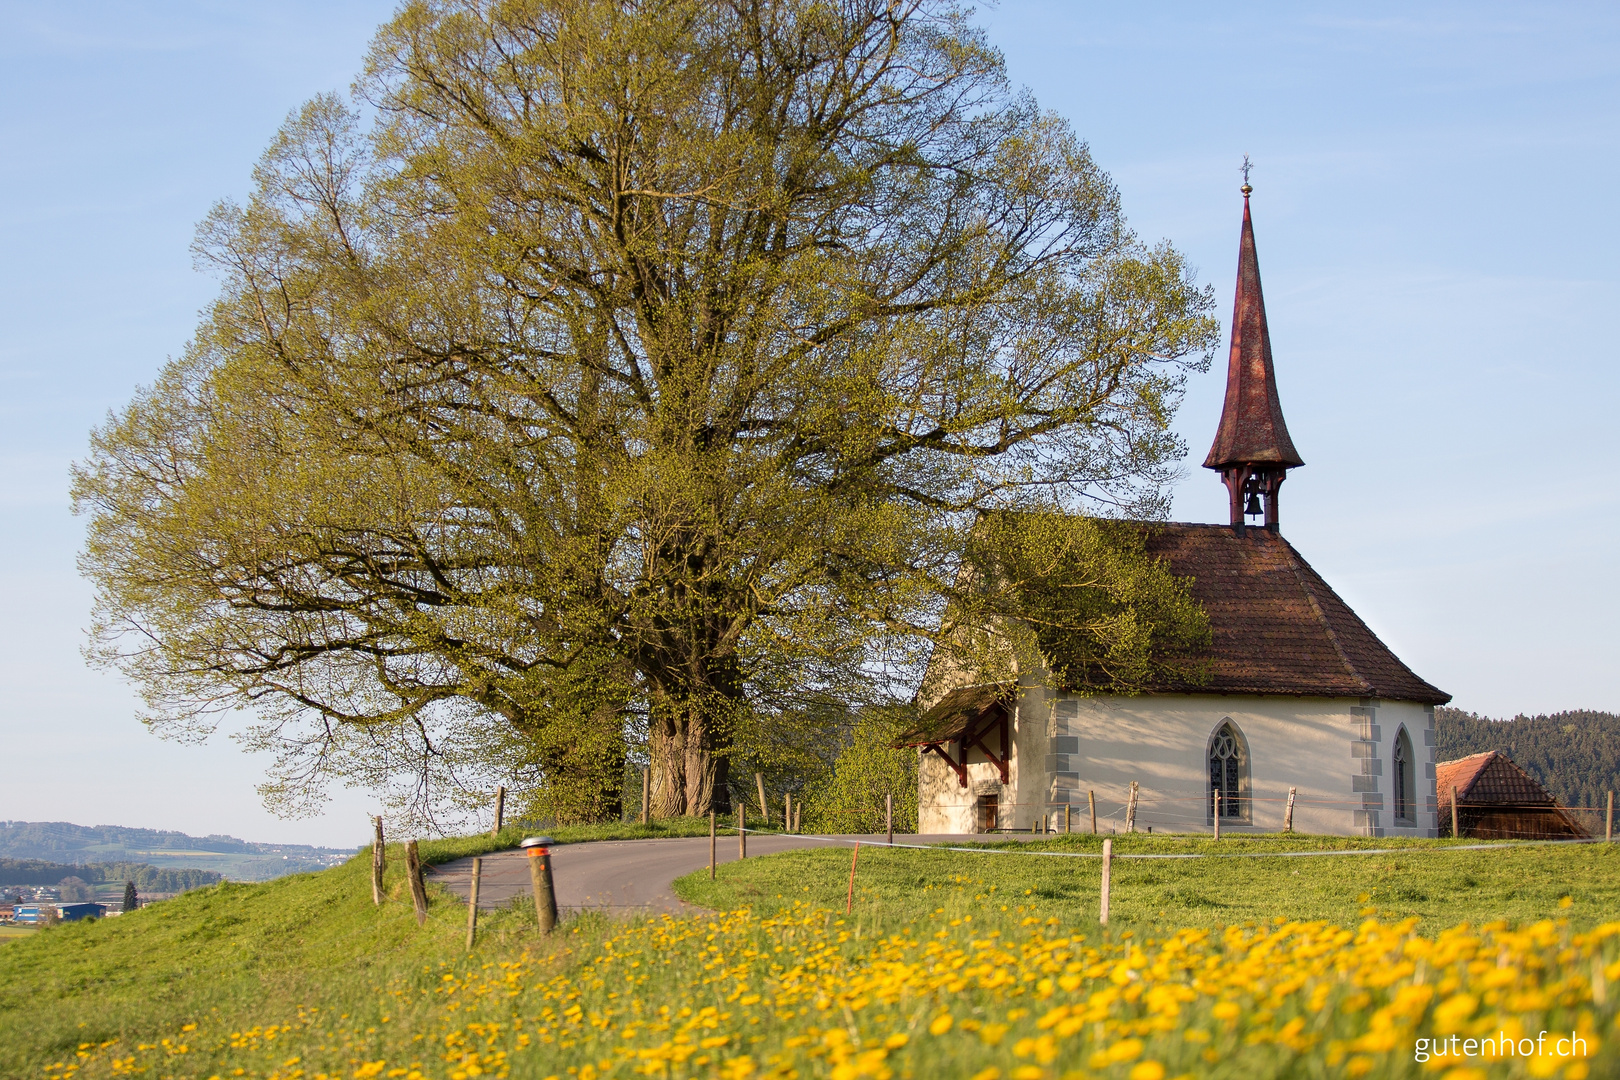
(1426, 880)
(358, 985)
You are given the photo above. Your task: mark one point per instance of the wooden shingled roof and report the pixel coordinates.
(954, 714)
(1486, 779)
(1276, 626)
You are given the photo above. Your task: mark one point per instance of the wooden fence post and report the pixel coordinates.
(1288, 816)
(1454, 811)
(472, 902)
(798, 816)
(1217, 813)
(1130, 810)
(764, 807)
(1107, 868)
(379, 862)
(787, 811)
(1091, 798)
(888, 817)
(849, 901)
(646, 795)
(413, 870)
(742, 831)
(500, 810)
(1608, 822)
(1068, 818)
(712, 851)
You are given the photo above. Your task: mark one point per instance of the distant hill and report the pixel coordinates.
(1574, 755)
(239, 860)
(147, 879)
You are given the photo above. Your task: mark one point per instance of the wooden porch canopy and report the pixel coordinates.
(963, 719)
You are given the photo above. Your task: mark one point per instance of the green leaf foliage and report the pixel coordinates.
(869, 769)
(615, 375)
(1102, 613)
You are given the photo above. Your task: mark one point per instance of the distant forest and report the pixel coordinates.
(47, 839)
(147, 879)
(1574, 755)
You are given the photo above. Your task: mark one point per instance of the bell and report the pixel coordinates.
(1254, 504)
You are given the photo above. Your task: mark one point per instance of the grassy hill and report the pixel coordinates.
(304, 977)
(238, 860)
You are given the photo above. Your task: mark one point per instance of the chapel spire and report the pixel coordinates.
(1252, 450)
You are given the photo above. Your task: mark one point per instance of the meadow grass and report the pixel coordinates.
(1430, 880)
(303, 977)
(240, 949)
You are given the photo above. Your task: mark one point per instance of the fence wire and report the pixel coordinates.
(865, 842)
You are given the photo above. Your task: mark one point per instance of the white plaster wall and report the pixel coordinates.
(1337, 751)
(944, 806)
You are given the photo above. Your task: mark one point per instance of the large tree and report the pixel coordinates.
(612, 361)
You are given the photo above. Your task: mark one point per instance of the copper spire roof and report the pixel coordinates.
(1252, 431)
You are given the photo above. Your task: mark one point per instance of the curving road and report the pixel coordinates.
(633, 877)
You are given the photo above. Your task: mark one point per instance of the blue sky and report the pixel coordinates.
(1435, 212)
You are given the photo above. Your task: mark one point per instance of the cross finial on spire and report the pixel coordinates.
(1247, 165)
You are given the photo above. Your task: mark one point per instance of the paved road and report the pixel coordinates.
(625, 877)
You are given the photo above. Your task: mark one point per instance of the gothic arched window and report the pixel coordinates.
(1405, 787)
(1228, 772)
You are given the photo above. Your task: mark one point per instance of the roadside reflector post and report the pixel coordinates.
(849, 901)
(712, 849)
(1454, 832)
(413, 869)
(538, 849)
(500, 810)
(1288, 815)
(1130, 810)
(378, 862)
(1217, 813)
(1107, 869)
(1091, 798)
(742, 831)
(472, 902)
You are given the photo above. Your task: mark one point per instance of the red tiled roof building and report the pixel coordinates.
(1301, 694)
(1497, 800)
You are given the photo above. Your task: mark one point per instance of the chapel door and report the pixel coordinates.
(988, 807)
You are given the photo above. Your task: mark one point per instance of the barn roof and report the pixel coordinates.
(1490, 778)
(1276, 626)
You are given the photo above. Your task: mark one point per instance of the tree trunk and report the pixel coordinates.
(690, 763)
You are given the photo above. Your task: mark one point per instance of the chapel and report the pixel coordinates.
(1306, 717)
